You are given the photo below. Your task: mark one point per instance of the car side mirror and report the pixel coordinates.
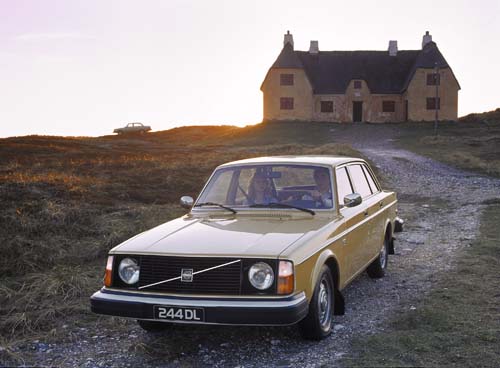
(352, 200)
(187, 202)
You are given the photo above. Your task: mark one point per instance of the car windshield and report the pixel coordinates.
(256, 186)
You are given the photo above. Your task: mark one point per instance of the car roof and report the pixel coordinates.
(313, 160)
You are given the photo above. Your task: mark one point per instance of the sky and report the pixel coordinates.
(70, 67)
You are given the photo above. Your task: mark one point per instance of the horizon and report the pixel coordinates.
(183, 63)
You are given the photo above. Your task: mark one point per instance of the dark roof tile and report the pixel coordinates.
(331, 71)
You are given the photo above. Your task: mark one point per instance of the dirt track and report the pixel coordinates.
(441, 206)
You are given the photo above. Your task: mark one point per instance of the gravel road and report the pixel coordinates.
(441, 206)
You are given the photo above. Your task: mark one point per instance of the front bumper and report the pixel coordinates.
(232, 311)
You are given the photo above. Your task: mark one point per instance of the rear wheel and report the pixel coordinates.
(376, 269)
(152, 326)
(319, 321)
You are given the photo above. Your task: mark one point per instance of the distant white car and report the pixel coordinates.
(133, 128)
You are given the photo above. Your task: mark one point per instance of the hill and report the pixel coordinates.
(65, 201)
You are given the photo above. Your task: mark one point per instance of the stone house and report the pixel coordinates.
(351, 86)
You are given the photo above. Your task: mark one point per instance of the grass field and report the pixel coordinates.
(472, 144)
(64, 202)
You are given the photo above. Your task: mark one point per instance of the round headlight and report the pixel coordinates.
(261, 276)
(129, 271)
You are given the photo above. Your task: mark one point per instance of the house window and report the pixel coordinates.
(431, 103)
(357, 84)
(286, 103)
(388, 106)
(433, 79)
(326, 106)
(286, 79)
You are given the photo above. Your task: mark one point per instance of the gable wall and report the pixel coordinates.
(301, 92)
(418, 91)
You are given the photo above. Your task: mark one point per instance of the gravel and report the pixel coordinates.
(441, 206)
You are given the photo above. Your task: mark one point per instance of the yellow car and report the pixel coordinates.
(269, 241)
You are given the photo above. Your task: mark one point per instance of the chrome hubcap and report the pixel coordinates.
(324, 303)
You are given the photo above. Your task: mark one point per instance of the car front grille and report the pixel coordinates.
(224, 280)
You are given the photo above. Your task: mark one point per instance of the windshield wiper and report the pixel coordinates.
(215, 204)
(282, 205)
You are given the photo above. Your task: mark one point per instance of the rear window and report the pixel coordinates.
(359, 181)
(343, 185)
(373, 186)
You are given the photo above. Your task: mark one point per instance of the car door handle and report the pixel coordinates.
(366, 213)
(381, 204)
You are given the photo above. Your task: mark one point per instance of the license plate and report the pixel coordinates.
(179, 313)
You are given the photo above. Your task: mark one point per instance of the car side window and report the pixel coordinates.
(359, 180)
(371, 182)
(343, 185)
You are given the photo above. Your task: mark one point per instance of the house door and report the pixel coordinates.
(357, 111)
(406, 110)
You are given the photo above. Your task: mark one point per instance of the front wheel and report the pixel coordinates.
(376, 269)
(319, 321)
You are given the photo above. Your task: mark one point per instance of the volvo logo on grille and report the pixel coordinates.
(187, 275)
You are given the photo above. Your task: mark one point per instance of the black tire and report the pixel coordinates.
(318, 323)
(376, 269)
(152, 326)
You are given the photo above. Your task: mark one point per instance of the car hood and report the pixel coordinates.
(245, 237)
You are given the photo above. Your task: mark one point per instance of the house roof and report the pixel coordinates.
(331, 71)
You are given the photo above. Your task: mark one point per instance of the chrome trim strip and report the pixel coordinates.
(202, 303)
(159, 294)
(194, 273)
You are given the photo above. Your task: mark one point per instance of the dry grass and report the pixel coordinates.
(64, 202)
(473, 143)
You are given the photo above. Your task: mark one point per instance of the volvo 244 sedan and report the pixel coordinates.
(269, 241)
(133, 128)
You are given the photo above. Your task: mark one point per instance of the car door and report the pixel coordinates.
(361, 234)
(375, 205)
(355, 240)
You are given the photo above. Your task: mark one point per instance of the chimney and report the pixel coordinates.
(393, 48)
(426, 39)
(314, 48)
(288, 39)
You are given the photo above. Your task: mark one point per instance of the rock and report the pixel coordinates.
(338, 327)
(275, 342)
(42, 347)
